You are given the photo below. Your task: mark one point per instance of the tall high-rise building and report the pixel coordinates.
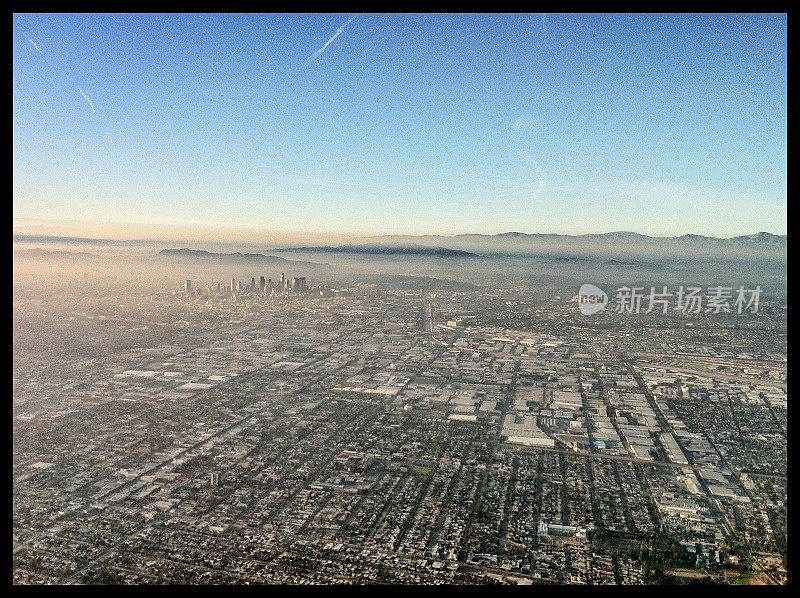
(299, 284)
(188, 286)
(262, 284)
(239, 286)
(426, 322)
(233, 285)
(253, 283)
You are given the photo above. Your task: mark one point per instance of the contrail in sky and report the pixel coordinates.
(524, 122)
(518, 187)
(541, 186)
(87, 98)
(34, 44)
(111, 140)
(314, 56)
(540, 189)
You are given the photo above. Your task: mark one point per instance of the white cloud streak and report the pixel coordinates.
(34, 44)
(525, 122)
(540, 190)
(523, 189)
(339, 31)
(111, 140)
(528, 122)
(517, 187)
(541, 185)
(87, 98)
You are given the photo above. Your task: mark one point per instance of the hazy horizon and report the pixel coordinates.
(253, 236)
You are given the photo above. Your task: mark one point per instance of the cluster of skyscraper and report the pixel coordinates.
(264, 285)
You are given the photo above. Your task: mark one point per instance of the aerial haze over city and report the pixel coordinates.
(399, 299)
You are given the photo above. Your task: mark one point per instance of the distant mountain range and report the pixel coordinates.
(47, 254)
(385, 250)
(182, 255)
(451, 245)
(23, 238)
(236, 257)
(519, 244)
(623, 236)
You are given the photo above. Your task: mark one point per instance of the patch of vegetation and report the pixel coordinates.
(743, 579)
(658, 553)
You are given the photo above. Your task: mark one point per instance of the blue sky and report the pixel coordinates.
(662, 124)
